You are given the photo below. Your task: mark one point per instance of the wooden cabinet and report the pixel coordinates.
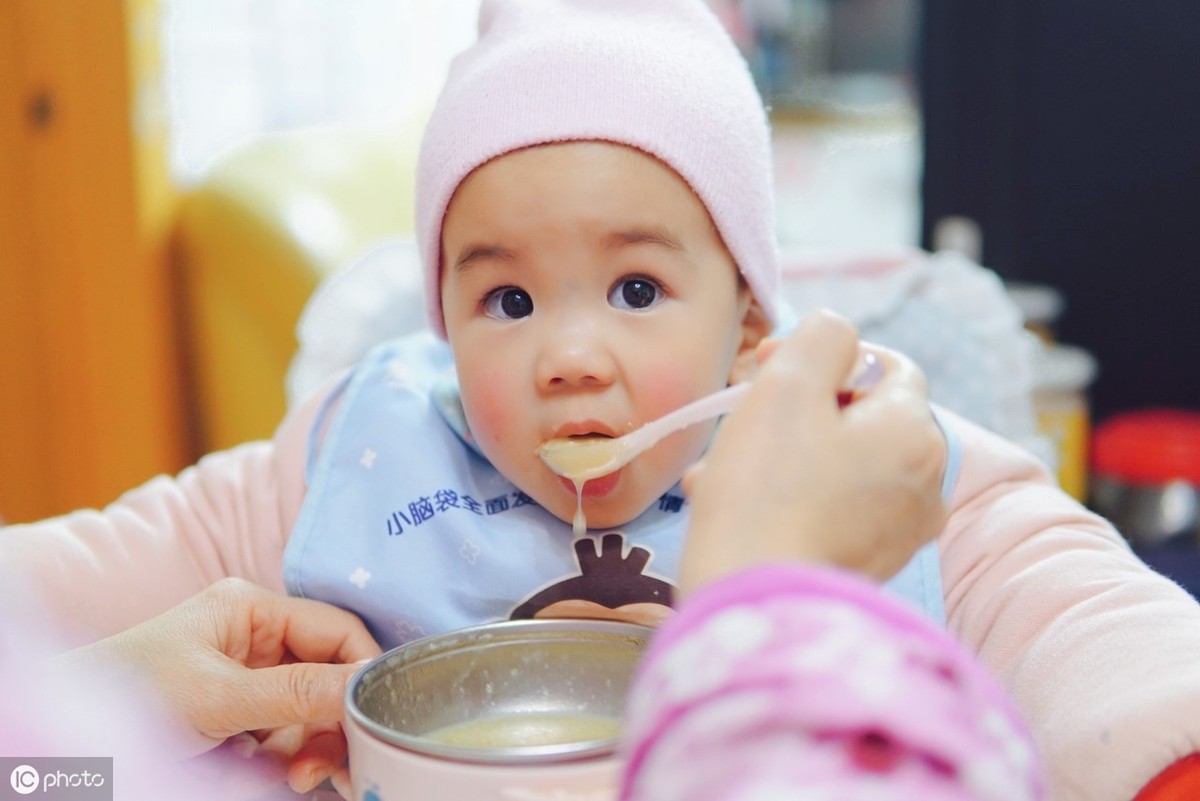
(90, 389)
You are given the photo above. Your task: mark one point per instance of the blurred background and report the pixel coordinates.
(178, 176)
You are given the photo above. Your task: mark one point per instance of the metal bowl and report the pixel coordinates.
(1149, 515)
(1146, 475)
(536, 674)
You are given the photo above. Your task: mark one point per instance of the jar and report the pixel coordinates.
(1061, 377)
(1040, 306)
(1145, 469)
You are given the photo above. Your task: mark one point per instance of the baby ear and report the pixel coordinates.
(755, 328)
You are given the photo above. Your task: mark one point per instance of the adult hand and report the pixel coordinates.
(238, 658)
(792, 476)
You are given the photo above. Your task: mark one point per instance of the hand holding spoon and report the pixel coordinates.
(582, 459)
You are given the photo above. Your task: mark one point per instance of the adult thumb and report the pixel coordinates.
(302, 692)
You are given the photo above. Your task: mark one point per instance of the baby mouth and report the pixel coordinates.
(588, 437)
(581, 457)
(585, 429)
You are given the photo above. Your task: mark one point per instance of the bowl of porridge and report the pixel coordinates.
(511, 711)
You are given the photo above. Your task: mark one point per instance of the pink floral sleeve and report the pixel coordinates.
(810, 683)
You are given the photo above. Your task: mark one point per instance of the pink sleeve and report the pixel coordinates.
(1099, 652)
(791, 681)
(98, 572)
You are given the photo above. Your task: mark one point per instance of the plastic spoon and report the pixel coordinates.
(585, 458)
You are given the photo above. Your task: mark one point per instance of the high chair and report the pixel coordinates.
(271, 221)
(947, 313)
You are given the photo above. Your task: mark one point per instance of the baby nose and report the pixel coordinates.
(575, 355)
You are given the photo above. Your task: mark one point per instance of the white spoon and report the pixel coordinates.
(584, 458)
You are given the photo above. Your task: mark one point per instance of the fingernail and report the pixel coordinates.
(311, 780)
(300, 784)
(341, 783)
(307, 781)
(244, 745)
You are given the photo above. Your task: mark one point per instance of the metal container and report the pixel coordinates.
(1149, 514)
(492, 687)
(1146, 475)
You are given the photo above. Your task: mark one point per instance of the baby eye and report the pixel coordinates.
(508, 303)
(635, 293)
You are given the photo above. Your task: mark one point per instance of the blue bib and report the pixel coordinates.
(408, 526)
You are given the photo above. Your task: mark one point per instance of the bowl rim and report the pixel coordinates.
(435, 644)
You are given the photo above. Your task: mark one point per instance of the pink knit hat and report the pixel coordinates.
(662, 76)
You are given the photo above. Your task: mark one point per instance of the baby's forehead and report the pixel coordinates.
(613, 154)
(617, 195)
(579, 165)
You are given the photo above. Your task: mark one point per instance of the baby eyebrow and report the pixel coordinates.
(643, 236)
(476, 253)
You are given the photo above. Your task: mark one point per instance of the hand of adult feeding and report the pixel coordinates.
(794, 475)
(238, 659)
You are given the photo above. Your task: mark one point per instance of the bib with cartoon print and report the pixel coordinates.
(408, 526)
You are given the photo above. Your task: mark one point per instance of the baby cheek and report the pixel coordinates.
(666, 388)
(495, 402)
(489, 414)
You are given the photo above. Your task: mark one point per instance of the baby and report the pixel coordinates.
(596, 227)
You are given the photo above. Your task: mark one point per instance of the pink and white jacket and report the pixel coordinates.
(803, 682)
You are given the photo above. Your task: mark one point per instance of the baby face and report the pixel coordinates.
(586, 292)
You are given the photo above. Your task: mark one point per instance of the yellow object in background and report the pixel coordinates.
(268, 223)
(1062, 374)
(1066, 421)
